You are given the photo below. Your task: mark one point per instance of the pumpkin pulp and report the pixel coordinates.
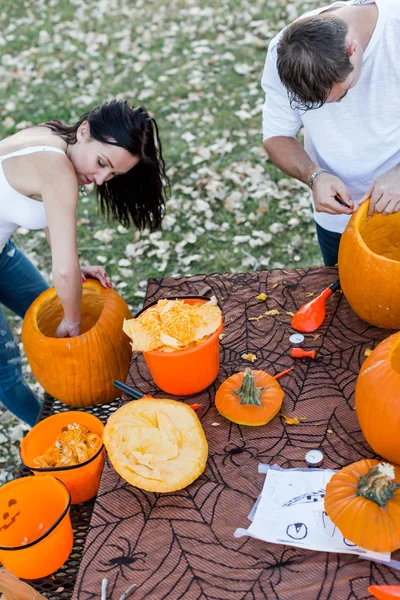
(249, 398)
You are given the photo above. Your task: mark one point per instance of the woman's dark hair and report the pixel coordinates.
(138, 196)
(312, 57)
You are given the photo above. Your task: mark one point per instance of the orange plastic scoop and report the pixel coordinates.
(310, 316)
(385, 592)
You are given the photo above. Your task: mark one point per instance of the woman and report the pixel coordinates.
(114, 146)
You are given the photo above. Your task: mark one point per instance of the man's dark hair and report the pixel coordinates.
(312, 57)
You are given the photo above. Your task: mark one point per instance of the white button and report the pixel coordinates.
(314, 458)
(296, 338)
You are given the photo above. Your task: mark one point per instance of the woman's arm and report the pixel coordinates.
(59, 191)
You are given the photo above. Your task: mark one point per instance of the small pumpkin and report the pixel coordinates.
(378, 399)
(156, 445)
(249, 398)
(363, 501)
(79, 371)
(369, 267)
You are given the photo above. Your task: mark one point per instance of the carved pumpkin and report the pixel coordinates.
(79, 371)
(156, 445)
(378, 399)
(363, 501)
(249, 398)
(369, 267)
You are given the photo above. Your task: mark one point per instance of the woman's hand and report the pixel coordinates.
(96, 272)
(66, 329)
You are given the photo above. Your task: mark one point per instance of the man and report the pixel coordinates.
(336, 70)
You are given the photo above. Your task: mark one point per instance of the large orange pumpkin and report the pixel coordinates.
(249, 398)
(378, 399)
(363, 501)
(369, 267)
(79, 371)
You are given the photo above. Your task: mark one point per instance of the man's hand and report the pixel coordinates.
(325, 188)
(384, 193)
(96, 272)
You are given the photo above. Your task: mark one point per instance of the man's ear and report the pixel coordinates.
(351, 47)
(83, 132)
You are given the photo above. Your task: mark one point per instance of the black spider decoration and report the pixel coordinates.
(232, 449)
(127, 558)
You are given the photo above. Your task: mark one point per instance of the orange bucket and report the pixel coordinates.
(35, 529)
(81, 480)
(185, 372)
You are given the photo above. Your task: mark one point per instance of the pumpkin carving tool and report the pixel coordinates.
(311, 315)
(385, 592)
(131, 392)
(300, 353)
(136, 395)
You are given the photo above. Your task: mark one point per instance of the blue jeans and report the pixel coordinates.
(329, 243)
(20, 284)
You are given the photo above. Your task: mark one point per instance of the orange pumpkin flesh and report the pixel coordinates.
(360, 519)
(378, 399)
(79, 371)
(369, 267)
(238, 400)
(156, 444)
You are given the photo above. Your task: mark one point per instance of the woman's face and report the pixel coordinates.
(96, 162)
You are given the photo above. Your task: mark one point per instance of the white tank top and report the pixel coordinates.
(17, 210)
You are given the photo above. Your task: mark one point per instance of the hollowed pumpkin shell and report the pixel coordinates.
(378, 399)
(79, 371)
(369, 267)
(156, 445)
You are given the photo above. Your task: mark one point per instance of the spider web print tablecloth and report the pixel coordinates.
(181, 545)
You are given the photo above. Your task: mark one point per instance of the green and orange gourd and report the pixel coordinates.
(249, 398)
(363, 501)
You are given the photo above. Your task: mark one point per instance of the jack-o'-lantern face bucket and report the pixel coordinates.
(36, 535)
(190, 371)
(82, 480)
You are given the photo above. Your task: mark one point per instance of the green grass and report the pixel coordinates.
(178, 59)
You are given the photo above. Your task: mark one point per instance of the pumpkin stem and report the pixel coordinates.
(378, 484)
(248, 393)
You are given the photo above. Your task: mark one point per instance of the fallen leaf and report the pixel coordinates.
(291, 420)
(367, 352)
(288, 312)
(329, 431)
(250, 357)
(316, 336)
(310, 294)
(261, 297)
(271, 313)
(275, 285)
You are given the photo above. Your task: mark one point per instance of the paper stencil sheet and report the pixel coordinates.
(291, 511)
